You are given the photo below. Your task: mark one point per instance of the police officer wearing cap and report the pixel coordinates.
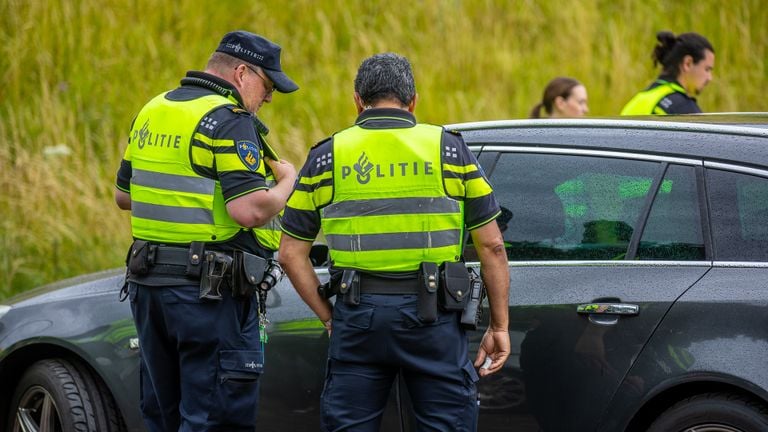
(394, 198)
(194, 176)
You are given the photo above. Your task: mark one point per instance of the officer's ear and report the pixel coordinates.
(359, 103)
(239, 74)
(687, 63)
(412, 105)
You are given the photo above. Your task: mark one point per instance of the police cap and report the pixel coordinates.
(258, 51)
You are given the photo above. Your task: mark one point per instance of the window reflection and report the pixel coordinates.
(570, 207)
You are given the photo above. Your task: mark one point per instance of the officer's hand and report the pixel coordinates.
(328, 326)
(282, 169)
(494, 346)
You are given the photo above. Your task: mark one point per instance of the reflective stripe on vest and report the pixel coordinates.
(390, 210)
(646, 102)
(169, 201)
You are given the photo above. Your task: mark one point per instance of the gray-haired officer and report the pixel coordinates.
(194, 177)
(394, 198)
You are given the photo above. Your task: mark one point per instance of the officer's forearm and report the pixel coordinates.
(496, 278)
(278, 196)
(294, 258)
(494, 267)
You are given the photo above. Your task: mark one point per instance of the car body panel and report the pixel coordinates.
(565, 353)
(701, 323)
(716, 333)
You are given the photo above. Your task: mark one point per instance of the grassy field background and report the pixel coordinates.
(75, 72)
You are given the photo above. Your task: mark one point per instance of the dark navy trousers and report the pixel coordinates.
(200, 359)
(382, 336)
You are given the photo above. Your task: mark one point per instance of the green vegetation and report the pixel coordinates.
(75, 72)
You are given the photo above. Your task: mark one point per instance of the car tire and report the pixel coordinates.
(64, 395)
(713, 412)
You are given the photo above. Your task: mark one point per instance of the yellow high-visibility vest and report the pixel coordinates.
(647, 102)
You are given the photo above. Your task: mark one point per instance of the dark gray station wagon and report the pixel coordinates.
(638, 253)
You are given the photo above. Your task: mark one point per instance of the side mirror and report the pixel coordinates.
(318, 255)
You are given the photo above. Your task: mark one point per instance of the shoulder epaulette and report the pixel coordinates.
(237, 110)
(322, 142)
(453, 131)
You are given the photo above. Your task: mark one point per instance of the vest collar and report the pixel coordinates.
(670, 81)
(392, 117)
(215, 84)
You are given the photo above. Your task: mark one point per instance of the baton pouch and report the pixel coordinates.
(429, 281)
(349, 287)
(247, 272)
(454, 286)
(140, 257)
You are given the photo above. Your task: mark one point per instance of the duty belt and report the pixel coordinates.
(378, 285)
(168, 255)
(174, 260)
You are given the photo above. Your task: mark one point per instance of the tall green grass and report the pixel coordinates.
(75, 72)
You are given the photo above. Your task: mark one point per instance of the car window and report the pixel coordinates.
(673, 230)
(739, 213)
(561, 207)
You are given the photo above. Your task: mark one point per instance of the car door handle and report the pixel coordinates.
(608, 309)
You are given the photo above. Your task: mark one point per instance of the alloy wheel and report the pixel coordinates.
(37, 412)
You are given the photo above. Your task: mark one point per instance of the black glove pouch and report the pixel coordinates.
(247, 272)
(429, 281)
(454, 286)
(140, 257)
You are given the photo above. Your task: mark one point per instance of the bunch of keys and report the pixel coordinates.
(263, 321)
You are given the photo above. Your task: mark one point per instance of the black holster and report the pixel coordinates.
(473, 312)
(429, 281)
(215, 268)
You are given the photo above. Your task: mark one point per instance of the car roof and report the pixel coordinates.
(722, 138)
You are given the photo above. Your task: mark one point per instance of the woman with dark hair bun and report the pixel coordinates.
(687, 61)
(563, 97)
